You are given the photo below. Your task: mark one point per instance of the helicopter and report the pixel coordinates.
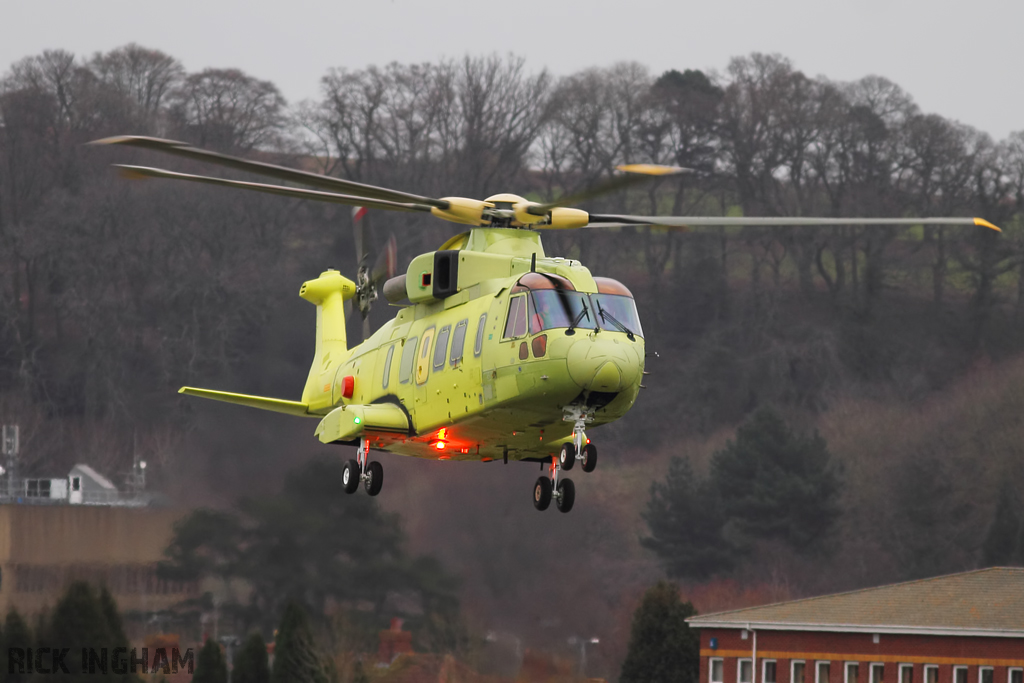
(498, 350)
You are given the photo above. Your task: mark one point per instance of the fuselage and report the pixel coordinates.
(489, 371)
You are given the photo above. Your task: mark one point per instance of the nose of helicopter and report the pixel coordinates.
(603, 363)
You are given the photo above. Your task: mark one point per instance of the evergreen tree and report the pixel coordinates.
(115, 626)
(296, 656)
(662, 646)
(1004, 542)
(78, 621)
(685, 519)
(775, 484)
(251, 664)
(210, 664)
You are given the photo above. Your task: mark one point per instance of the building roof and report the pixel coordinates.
(95, 476)
(985, 602)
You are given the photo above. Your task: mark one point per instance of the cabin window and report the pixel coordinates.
(516, 324)
(459, 341)
(387, 366)
(479, 347)
(441, 347)
(408, 358)
(423, 358)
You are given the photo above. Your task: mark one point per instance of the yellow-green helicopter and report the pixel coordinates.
(500, 351)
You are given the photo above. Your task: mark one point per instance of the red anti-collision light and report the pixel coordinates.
(348, 386)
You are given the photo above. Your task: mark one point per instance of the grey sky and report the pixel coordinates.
(959, 59)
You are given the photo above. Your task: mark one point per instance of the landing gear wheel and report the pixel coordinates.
(350, 476)
(589, 457)
(374, 478)
(566, 495)
(567, 456)
(542, 493)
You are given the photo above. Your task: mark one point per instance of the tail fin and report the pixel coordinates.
(329, 293)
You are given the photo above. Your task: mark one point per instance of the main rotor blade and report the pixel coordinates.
(272, 170)
(610, 220)
(141, 172)
(633, 174)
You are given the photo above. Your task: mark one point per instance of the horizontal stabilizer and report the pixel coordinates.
(275, 404)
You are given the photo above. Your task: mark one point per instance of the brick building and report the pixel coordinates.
(962, 628)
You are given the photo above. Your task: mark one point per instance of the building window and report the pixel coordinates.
(852, 672)
(717, 671)
(877, 673)
(796, 673)
(906, 673)
(1015, 676)
(931, 673)
(822, 671)
(959, 674)
(744, 671)
(768, 671)
(985, 674)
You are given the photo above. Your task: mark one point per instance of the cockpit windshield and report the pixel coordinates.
(556, 304)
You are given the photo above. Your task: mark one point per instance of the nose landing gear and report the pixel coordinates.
(580, 448)
(358, 470)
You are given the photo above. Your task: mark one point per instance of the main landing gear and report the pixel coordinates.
(371, 474)
(546, 488)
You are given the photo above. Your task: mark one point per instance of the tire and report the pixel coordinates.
(542, 493)
(568, 490)
(350, 476)
(589, 457)
(567, 456)
(374, 478)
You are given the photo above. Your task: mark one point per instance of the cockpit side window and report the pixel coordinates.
(515, 326)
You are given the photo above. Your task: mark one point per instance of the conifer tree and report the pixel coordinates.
(296, 656)
(776, 484)
(210, 664)
(78, 621)
(685, 519)
(16, 633)
(251, 664)
(662, 646)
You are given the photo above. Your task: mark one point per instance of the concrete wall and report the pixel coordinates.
(44, 547)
